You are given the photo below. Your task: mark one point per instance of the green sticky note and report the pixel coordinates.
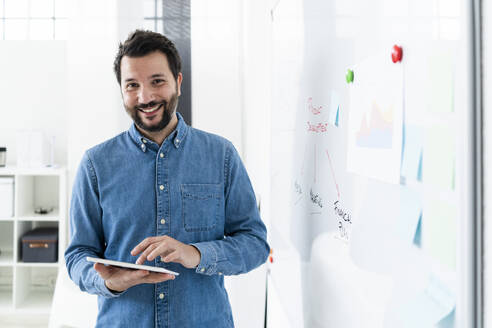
(440, 96)
(439, 157)
(439, 232)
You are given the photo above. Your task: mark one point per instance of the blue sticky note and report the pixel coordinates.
(334, 108)
(419, 170)
(411, 167)
(338, 113)
(417, 239)
(410, 214)
(448, 321)
(435, 303)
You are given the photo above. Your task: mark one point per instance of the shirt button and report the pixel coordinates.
(220, 273)
(177, 140)
(161, 187)
(161, 296)
(144, 141)
(202, 270)
(142, 146)
(161, 155)
(163, 221)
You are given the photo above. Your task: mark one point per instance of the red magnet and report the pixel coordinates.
(396, 54)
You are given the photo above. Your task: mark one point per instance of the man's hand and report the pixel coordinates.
(169, 249)
(119, 279)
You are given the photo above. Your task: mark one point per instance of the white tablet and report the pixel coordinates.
(130, 265)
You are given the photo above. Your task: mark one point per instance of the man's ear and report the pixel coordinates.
(178, 83)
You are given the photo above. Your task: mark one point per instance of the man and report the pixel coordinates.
(162, 194)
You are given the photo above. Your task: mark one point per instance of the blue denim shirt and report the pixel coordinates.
(197, 192)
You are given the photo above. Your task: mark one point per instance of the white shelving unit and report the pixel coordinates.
(27, 288)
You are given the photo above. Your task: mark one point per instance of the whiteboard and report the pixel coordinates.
(372, 208)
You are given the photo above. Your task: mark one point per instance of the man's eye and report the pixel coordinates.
(131, 85)
(158, 81)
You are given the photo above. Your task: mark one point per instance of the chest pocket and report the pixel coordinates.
(200, 206)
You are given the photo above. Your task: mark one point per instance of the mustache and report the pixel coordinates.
(150, 104)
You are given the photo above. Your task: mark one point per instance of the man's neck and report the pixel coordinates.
(159, 136)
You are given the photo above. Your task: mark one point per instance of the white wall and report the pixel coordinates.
(216, 68)
(231, 97)
(33, 90)
(96, 111)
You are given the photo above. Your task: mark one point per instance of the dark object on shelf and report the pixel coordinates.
(3, 156)
(43, 210)
(40, 245)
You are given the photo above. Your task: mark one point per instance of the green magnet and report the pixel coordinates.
(349, 76)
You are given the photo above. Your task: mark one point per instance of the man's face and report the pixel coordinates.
(150, 92)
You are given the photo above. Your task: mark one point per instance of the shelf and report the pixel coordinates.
(31, 216)
(38, 265)
(36, 302)
(7, 258)
(26, 289)
(5, 299)
(13, 170)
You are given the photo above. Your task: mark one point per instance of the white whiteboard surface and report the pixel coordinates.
(367, 270)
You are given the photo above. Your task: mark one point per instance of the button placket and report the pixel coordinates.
(162, 219)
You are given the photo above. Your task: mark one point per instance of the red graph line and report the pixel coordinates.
(333, 173)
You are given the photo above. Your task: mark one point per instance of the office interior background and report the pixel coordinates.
(60, 95)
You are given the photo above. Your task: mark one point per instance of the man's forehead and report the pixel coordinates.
(149, 65)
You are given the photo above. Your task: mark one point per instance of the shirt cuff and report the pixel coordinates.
(103, 290)
(208, 259)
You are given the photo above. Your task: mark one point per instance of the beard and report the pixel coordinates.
(167, 114)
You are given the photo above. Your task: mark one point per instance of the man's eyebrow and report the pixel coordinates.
(151, 77)
(157, 75)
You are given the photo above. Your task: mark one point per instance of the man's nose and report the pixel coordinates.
(145, 95)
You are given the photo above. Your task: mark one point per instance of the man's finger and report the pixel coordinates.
(143, 245)
(104, 271)
(138, 274)
(172, 257)
(143, 257)
(155, 277)
(162, 248)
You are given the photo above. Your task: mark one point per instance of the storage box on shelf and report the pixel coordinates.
(28, 287)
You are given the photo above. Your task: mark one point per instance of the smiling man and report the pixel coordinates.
(162, 194)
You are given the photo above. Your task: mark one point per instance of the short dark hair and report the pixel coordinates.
(141, 43)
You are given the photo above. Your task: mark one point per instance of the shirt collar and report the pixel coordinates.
(176, 137)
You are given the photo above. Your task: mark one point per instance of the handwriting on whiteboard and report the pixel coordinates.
(313, 109)
(317, 128)
(344, 221)
(297, 188)
(316, 199)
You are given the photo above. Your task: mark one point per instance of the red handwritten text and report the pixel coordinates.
(313, 109)
(317, 128)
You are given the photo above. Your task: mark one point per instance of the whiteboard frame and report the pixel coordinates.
(475, 315)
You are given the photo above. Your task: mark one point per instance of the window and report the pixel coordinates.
(33, 20)
(153, 15)
(172, 18)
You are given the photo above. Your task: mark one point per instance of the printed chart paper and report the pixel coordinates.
(375, 119)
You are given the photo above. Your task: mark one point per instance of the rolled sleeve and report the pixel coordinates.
(244, 246)
(208, 258)
(100, 285)
(86, 232)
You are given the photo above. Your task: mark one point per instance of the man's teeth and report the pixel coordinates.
(150, 110)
